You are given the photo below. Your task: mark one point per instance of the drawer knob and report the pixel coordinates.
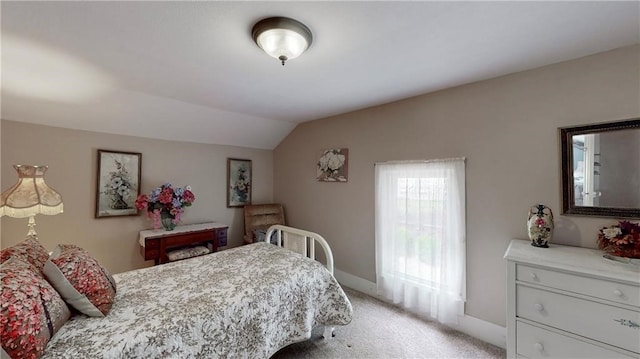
(533, 276)
(618, 292)
(538, 307)
(539, 347)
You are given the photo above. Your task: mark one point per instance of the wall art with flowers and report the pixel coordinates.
(118, 183)
(238, 182)
(333, 165)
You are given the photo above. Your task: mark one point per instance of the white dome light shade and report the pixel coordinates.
(282, 38)
(281, 42)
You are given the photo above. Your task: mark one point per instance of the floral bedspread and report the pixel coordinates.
(246, 302)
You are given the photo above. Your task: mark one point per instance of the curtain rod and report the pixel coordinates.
(422, 161)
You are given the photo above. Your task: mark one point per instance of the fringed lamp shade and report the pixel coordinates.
(30, 196)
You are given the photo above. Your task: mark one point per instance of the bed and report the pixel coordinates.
(245, 302)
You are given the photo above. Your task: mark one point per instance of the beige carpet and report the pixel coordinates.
(380, 330)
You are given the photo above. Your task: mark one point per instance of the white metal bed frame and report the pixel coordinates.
(307, 248)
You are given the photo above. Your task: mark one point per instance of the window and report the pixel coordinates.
(420, 235)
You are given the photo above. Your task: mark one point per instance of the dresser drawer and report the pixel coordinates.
(221, 235)
(608, 324)
(183, 239)
(534, 342)
(608, 290)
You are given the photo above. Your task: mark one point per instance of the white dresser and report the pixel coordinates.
(569, 302)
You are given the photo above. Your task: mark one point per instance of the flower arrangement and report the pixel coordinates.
(166, 204)
(622, 239)
(119, 187)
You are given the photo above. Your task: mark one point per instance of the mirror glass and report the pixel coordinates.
(601, 169)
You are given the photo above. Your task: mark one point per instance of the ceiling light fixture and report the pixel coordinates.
(282, 37)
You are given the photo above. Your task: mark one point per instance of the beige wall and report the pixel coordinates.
(507, 128)
(72, 155)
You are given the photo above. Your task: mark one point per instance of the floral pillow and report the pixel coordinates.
(81, 280)
(31, 311)
(30, 250)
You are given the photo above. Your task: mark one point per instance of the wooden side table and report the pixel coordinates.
(154, 244)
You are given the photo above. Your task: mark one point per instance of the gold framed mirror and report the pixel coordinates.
(601, 169)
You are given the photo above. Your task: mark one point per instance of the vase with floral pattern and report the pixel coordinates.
(540, 225)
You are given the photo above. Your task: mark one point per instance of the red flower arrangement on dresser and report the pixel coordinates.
(166, 204)
(622, 239)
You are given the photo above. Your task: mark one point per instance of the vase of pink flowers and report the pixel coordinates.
(165, 205)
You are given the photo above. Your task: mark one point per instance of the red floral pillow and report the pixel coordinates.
(31, 311)
(30, 250)
(81, 280)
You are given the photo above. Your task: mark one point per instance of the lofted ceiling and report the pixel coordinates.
(189, 71)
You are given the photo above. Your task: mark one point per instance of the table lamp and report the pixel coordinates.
(30, 196)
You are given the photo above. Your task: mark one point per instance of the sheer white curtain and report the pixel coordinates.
(420, 236)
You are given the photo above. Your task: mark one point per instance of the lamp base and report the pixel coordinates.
(32, 226)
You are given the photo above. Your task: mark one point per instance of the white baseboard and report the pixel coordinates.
(477, 328)
(357, 283)
(483, 330)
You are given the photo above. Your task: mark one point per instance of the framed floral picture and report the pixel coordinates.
(118, 183)
(333, 165)
(238, 182)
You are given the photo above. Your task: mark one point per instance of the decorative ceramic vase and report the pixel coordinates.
(167, 221)
(540, 225)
